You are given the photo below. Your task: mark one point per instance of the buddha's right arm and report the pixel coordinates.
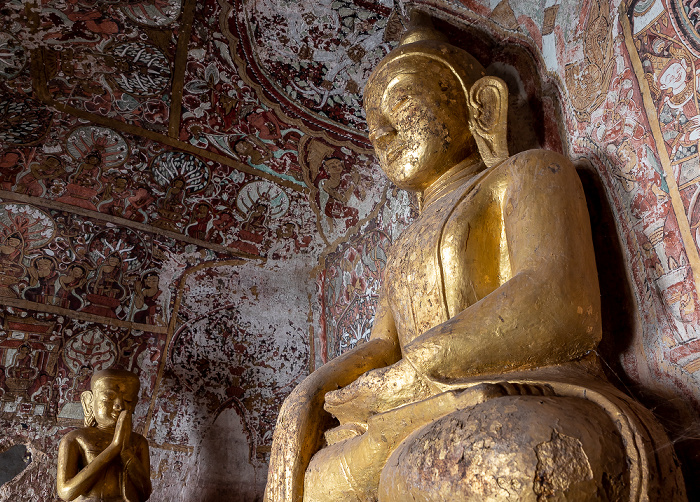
(548, 311)
(302, 419)
(70, 483)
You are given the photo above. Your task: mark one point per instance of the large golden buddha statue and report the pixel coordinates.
(480, 380)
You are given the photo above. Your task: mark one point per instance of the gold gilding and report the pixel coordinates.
(105, 460)
(489, 312)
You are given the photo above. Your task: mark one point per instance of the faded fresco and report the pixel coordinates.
(187, 191)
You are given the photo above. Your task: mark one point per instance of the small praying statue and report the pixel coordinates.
(106, 461)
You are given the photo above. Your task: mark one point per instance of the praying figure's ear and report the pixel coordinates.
(488, 114)
(86, 400)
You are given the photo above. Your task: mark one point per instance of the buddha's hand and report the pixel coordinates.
(377, 391)
(122, 430)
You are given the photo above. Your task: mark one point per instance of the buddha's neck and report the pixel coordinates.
(452, 179)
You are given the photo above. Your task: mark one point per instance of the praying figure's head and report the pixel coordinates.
(111, 392)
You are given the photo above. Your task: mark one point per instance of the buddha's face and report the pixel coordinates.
(417, 118)
(111, 395)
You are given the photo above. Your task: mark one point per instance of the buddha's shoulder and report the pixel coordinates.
(535, 167)
(81, 432)
(534, 161)
(84, 435)
(139, 440)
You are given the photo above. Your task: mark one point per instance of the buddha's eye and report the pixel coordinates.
(401, 103)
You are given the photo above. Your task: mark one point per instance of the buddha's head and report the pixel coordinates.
(111, 392)
(427, 102)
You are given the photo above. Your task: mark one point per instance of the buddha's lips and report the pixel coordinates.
(393, 153)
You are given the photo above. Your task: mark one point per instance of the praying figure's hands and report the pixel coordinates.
(377, 391)
(122, 430)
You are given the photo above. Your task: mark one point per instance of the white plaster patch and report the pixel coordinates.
(549, 52)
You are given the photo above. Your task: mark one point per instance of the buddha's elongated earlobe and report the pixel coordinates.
(488, 114)
(86, 400)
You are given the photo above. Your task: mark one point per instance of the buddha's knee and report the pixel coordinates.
(514, 448)
(347, 471)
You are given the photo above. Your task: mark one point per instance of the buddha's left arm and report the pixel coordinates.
(548, 311)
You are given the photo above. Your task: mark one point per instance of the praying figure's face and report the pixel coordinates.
(417, 116)
(112, 395)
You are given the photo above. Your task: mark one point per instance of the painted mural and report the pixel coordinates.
(154, 194)
(187, 191)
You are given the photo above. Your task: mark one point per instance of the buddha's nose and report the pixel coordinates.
(382, 136)
(118, 404)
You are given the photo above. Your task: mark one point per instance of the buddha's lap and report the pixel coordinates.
(512, 446)
(524, 447)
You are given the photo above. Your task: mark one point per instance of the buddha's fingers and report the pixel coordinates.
(377, 391)
(525, 389)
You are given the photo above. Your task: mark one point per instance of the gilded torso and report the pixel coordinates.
(91, 443)
(451, 256)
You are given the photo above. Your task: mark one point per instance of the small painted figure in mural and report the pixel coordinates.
(81, 383)
(171, 207)
(672, 81)
(247, 152)
(10, 168)
(11, 268)
(106, 459)
(89, 171)
(85, 183)
(336, 192)
(21, 366)
(624, 173)
(71, 286)
(331, 185)
(146, 299)
(255, 221)
(42, 280)
(332, 193)
(106, 290)
(286, 231)
(40, 176)
(135, 209)
(221, 225)
(266, 125)
(114, 196)
(200, 221)
(108, 281)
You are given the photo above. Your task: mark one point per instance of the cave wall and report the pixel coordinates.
(187, 191)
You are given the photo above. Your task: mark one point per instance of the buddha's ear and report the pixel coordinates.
(488, 113)
(86, 400)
